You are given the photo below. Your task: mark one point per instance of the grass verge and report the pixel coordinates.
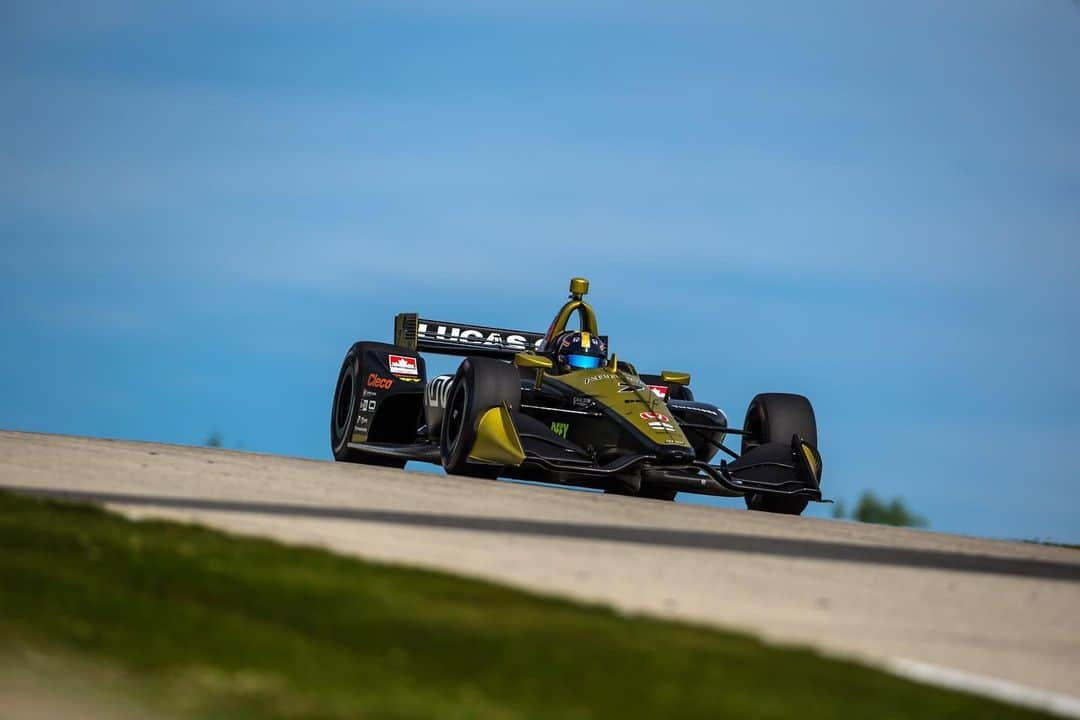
(211, 625)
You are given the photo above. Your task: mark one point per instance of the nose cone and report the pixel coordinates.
(675, 455)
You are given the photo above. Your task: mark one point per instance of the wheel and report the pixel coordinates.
(343, 417)
(775, 417)
(479, 385)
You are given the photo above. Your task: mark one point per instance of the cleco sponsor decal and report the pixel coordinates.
(445, 332)
(374, 380)
(659, 390)
(402, 365)
(437, 391)
(655, 416)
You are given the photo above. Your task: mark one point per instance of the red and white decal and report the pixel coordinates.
(655, 416)
(660, 391)
(401, 365)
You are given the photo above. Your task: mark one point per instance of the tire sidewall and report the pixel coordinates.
(479, 385)
(340, 434)
(455, 449)
(775, 417)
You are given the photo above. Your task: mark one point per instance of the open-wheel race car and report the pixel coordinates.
(557, 407)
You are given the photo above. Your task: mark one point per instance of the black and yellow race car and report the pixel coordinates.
(557, 407)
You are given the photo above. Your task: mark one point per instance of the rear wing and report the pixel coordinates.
(448, 338)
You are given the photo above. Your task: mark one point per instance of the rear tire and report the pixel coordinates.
(343, 417)
(479, 385)
(775, 417)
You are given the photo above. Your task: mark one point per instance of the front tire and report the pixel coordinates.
(343, 417)
(479, 385)
(775, 417)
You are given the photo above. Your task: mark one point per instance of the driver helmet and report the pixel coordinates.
(579, 350)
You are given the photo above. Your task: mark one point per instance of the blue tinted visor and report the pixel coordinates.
(584, 361)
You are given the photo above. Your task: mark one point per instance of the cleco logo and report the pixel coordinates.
(438, 391)
(472, 336)
(378, 382)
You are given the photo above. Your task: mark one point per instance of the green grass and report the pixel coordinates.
(211, 625)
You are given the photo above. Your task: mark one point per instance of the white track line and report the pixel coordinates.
(1003, 690)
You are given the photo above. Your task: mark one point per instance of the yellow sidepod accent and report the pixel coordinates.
(811, 459)
(497, 440)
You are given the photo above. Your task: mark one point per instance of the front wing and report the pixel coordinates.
(774, 468)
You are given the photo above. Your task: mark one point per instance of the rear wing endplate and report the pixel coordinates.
(449, 338)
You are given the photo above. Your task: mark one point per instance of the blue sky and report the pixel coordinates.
(876, 204)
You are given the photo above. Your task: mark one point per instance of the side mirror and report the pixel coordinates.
(540, 363)
(675, 378)
(529, 360)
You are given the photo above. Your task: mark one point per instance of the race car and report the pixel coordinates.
(557, 407)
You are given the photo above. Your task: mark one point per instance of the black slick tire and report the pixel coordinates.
(775, 417)
(479, 385)
(343, 417)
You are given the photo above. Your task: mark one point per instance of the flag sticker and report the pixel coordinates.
(402, 365)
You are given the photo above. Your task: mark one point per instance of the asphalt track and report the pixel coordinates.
(996, 617)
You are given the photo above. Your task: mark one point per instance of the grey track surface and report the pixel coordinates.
(997, 609)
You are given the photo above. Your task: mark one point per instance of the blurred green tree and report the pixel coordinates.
(872, 509)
